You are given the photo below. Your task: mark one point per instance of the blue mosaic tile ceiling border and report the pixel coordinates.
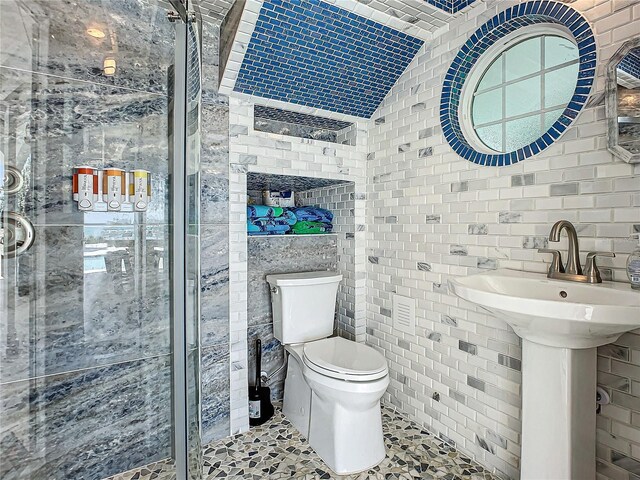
(631, 63)
(315, 54)
(521, 15)
(450, 6)
(299, 118)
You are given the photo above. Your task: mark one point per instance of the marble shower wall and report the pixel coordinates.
(279, 254)
(85, 345)
(214, 245)
(84, 349)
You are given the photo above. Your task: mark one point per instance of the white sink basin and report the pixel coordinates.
(560, 323)
(556, 313)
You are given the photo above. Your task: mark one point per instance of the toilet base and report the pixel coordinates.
(341, 420)
(296, 405)
(348, 440)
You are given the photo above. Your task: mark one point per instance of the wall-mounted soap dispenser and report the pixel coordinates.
(633, 264)
(85, 187)
(111, 189)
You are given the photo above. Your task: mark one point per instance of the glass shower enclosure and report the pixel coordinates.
(99, 227)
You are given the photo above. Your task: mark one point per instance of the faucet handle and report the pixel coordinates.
(556, 262)
(591, 269)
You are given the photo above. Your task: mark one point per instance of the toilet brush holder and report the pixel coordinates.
(260, 406)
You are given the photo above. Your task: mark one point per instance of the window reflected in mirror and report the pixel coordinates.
(622, 101)
(628, 87)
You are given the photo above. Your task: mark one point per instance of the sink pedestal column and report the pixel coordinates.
(558, 413)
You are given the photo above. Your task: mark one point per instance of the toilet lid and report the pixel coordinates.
(340, 358)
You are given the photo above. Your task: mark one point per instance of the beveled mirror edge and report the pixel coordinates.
(611, 103)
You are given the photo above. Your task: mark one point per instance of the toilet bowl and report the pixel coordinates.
(343, 422)
(333, 386)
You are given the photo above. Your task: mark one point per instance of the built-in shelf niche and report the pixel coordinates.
(257, 182)
(302, 125)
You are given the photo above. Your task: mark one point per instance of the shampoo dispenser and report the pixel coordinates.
(633, 264)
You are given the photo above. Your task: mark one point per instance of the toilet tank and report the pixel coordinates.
(303, 305)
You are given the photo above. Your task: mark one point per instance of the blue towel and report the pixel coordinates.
(313, 214)
(267, 227)
(270, 232)
(289, 217)
(263, 211)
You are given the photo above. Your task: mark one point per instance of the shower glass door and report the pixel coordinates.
(99, 301)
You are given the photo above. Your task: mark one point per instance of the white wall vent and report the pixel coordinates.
(404, 314)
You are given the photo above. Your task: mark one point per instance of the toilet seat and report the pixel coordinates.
(343, 359)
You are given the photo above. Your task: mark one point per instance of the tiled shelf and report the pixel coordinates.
(295, 236)
(263, 181)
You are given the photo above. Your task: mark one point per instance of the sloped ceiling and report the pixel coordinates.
(312, 53)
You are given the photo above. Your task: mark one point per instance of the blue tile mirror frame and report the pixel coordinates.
(547, 21)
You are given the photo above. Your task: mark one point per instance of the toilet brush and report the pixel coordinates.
(260, 407)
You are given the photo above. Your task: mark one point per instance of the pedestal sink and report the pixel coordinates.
(560, 324)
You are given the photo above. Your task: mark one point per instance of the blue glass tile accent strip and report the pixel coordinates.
(631, 63)
(279, 115)
(523, 14)
(315, 54)
(450, 6)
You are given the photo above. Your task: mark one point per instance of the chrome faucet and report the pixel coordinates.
(572, 271)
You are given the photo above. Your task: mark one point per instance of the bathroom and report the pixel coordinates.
(446, 139)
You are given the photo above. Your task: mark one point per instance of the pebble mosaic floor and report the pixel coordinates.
(162, 470)
(277, 451)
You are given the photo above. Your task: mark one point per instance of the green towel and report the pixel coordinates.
(301, 228)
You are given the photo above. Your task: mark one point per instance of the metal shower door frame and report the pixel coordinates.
(179, 265)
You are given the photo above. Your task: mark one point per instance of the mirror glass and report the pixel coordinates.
(628, 101)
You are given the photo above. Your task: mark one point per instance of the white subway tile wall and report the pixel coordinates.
(345, 202)
(432, 215)
(254, 151)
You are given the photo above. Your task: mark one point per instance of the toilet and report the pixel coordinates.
(333, 386)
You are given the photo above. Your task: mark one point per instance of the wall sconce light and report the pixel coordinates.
(109, 66)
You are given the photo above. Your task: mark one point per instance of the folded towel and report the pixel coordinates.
(267, 227)
(270, 232)
(306, 227)
(313, 214)
(263, 211)
(289, 217)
